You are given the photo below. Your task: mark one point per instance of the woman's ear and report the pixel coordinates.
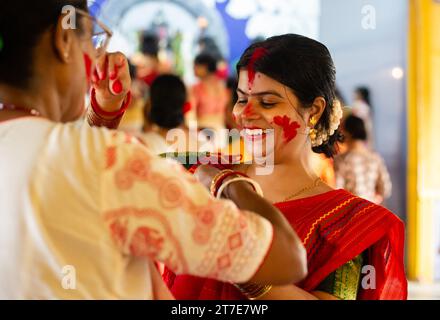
(317, 108)
(63, 40)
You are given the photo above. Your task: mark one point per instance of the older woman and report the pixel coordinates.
(85, 210)
(287, 111)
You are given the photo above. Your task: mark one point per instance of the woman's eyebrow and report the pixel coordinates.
(258, 94)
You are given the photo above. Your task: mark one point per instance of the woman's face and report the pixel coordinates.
(80, 70)
(271, 118)
(200, 71)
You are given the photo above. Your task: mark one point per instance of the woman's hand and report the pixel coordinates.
(111, 81)
(205, 174)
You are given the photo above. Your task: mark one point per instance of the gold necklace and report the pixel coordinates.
(315, 184)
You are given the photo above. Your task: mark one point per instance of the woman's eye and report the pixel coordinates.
(242, 102)
(267, 105)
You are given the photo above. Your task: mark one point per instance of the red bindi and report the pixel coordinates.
(290, 129)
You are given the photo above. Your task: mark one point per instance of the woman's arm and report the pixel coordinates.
(155, 209)
(287, 248)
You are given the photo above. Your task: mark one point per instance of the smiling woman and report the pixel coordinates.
(287, 94)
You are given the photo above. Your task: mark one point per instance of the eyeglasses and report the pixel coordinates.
(101, 34)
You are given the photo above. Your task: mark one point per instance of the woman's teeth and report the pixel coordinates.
(254, 132)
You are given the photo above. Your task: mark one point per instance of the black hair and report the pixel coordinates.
(355, 126)
(208, 60)
(364, 92)
(149, 44)
(132, 69)
(168, 97)
(209, 46)
(303, 65)
(22, 24)
(232, 84)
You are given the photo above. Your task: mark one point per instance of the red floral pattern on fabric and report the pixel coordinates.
(201, 236)
(235, 241)
(110, 157)
(118, 232)
(206, 217)
(124, 180)
(136, 168)
(146, 242)
(171, 194)
(224, 262)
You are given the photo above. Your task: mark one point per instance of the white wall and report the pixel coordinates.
(366, 57)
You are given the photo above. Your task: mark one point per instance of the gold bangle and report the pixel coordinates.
(216, 179)
(253, 183)
(253, 291)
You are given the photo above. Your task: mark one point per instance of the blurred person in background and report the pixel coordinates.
(148, 64)
(133, 120)
(360, 170)
(209, 96)
(168, 98)
(362, 108)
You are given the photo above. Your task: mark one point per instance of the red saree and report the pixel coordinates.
(335, 227)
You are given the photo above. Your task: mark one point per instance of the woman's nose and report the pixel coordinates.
(249, 112)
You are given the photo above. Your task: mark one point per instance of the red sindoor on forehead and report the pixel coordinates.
(257, 55)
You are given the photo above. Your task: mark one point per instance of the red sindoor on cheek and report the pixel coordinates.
(290, 129)
(248, 110)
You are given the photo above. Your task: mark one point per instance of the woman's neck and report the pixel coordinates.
(45, 102)
(210, 78)
(356, 145)
(287, 178)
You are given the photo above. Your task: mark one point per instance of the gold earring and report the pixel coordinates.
(313, 133)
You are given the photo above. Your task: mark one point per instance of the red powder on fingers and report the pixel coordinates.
(113, 75)
(117, 87)
(290, 129)
(88, 66)
(257, 55)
